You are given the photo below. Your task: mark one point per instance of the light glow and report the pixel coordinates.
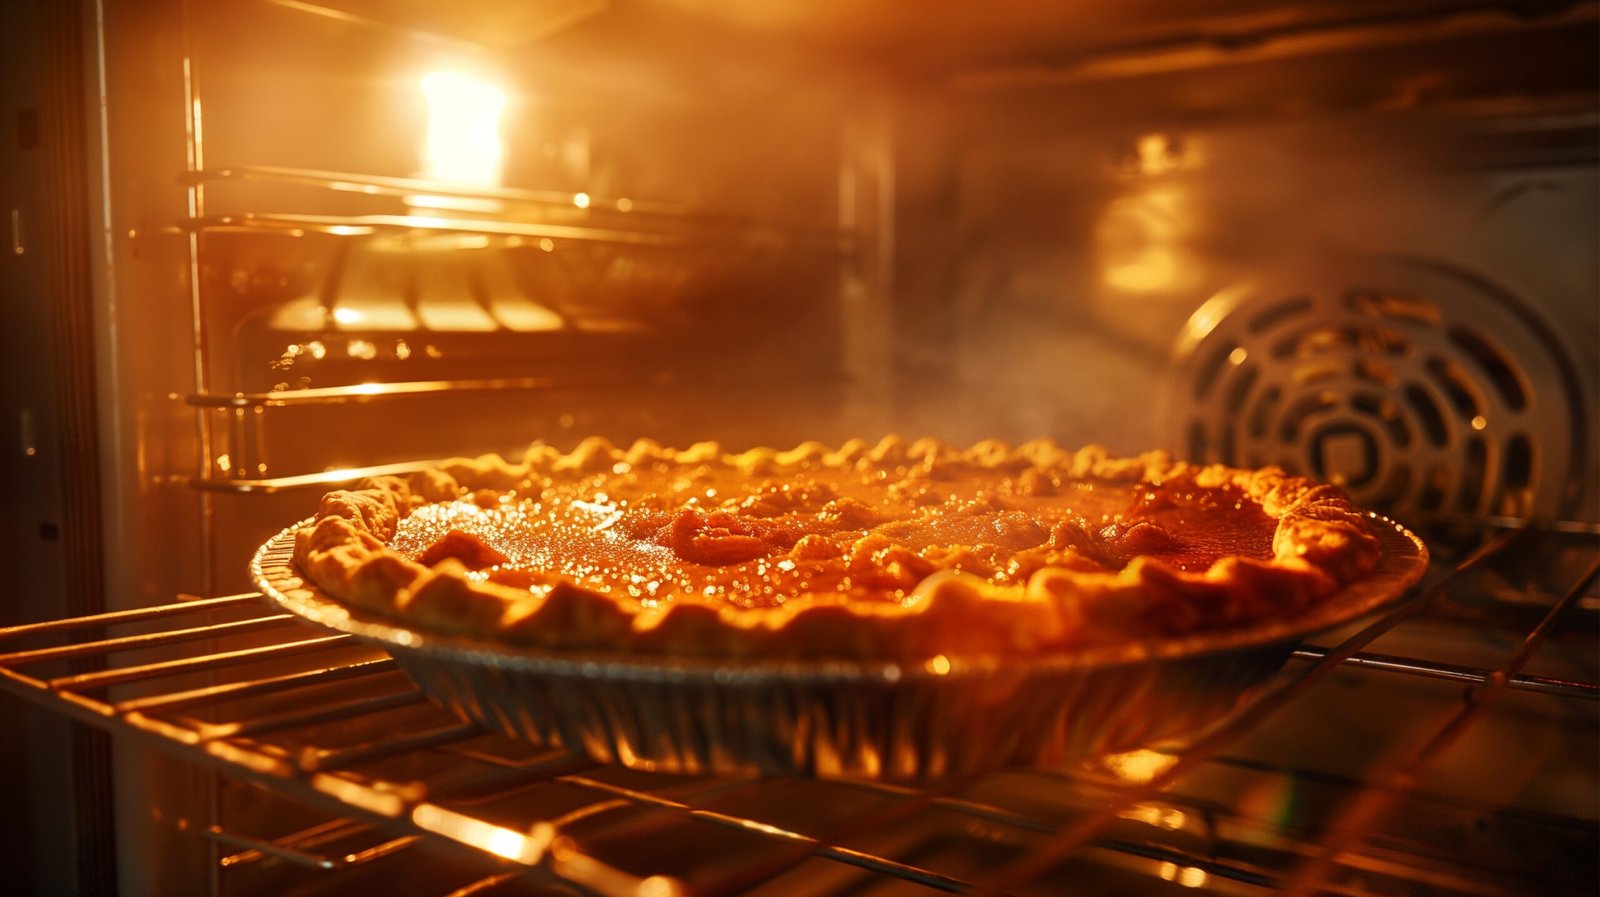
(1187, 876)
(1138, 767)
(1156, 815)
(374, 314)
(503, 842)
(1141, 241)
(658, 886)
(1153, 269)
(463, 144)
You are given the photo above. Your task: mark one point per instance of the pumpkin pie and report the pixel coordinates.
(896, 550)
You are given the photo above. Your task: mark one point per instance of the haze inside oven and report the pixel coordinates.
(1055, 301)
(1002, 311)
(697, 297)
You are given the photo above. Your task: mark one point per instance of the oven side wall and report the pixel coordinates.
(153, 521)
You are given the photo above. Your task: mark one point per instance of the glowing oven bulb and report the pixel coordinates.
(463, 143)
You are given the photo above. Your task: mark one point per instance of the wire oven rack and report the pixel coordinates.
(331, 724)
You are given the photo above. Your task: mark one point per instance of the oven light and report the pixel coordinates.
(463, 144)
(581, 200)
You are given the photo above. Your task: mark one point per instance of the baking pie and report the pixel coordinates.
(894, 551)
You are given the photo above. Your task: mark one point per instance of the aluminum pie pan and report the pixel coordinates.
(841, 717)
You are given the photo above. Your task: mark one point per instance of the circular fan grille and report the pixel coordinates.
(1417, 389)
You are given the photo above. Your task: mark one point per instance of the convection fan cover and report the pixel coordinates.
(1420, 389)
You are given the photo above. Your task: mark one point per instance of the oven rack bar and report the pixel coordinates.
(307, 778)
(300, 847)
(1071, 840)
(299, 225)
(682, 234)
(338, 476)
(1074, 838)
(1451, 672)
(349, 779)
(1360, 811)
(374, 800)
(582, 203)
(367, 392)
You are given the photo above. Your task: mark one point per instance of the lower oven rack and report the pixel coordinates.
(330, 723)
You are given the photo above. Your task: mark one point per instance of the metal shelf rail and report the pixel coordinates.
(628, 208)
(245, 431)
(519, 213)
(332, 723)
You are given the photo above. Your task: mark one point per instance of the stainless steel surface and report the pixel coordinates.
(1420, 388)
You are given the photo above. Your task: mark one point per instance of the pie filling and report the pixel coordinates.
(893, 551)
(760, 543)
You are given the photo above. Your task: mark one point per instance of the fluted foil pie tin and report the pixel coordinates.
(943, 717)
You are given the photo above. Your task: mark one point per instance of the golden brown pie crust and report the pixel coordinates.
(894, 551)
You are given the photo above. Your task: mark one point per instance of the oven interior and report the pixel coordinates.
(333, 239)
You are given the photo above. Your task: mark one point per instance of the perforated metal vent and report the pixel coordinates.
(1418, 388)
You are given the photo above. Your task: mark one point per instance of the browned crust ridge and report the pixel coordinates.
(1322, 542)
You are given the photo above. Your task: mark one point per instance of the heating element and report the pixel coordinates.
(1491, 794)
